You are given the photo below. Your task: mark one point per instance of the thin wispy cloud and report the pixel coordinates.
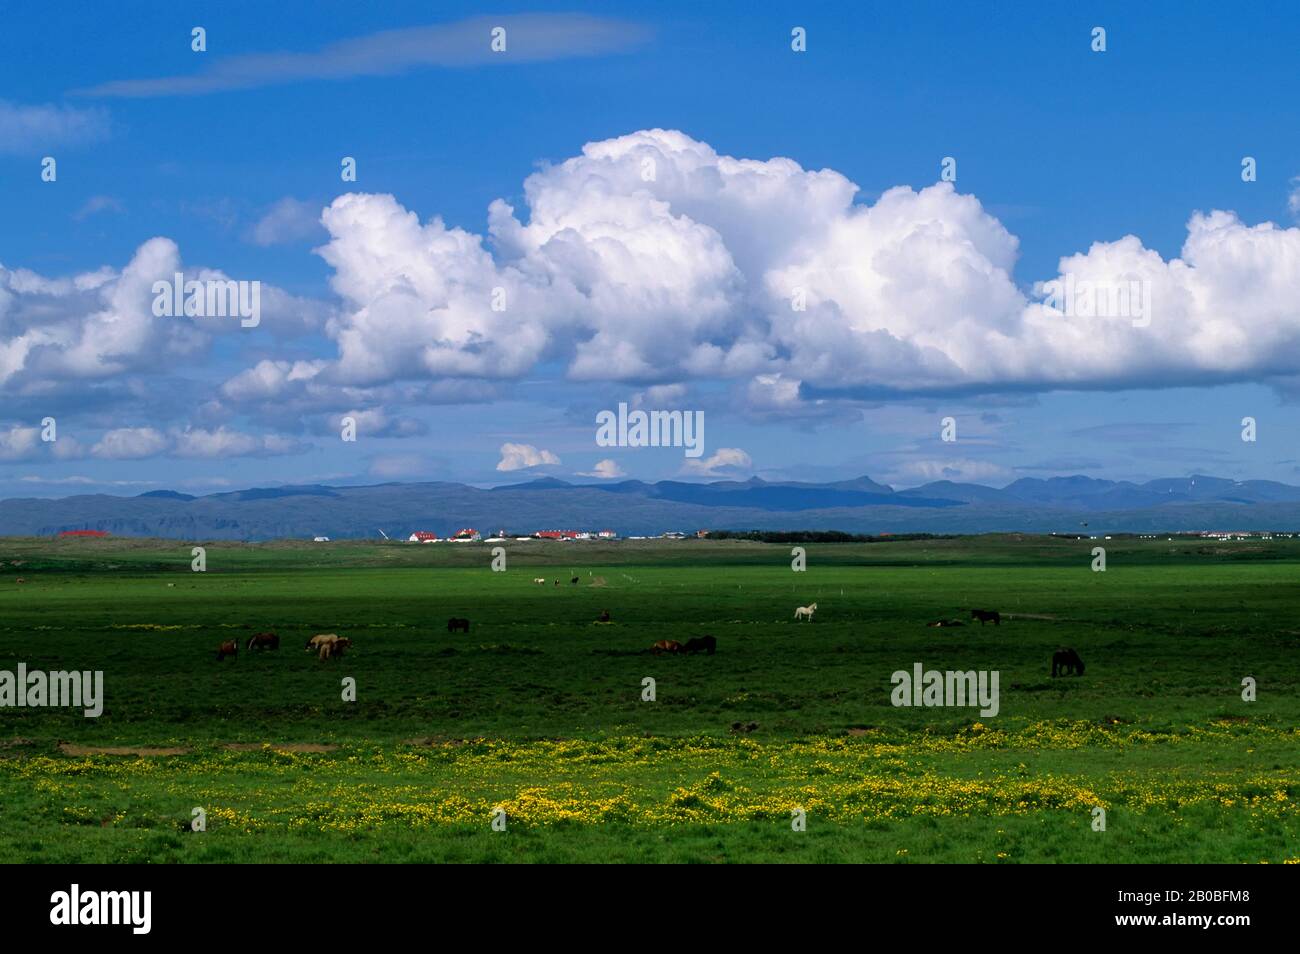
(29, 129)
(528, 39)
(288, 220)
(96, 205)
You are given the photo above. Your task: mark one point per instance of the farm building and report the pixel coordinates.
(606, 535)
(469, 535)
(422, 536)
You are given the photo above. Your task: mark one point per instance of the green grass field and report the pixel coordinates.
(539, 710)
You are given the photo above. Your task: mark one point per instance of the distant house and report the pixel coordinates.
(421, 536)
(556, 534)
(83, 533)
(469, 535)
(320, 539)
(606, 535)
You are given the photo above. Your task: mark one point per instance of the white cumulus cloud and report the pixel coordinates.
(726, 460)
(606, 469)
(521, 456)
(652, 258)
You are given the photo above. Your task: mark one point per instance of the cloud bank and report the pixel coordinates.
(650, 258)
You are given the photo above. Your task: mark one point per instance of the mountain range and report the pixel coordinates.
(632, 507)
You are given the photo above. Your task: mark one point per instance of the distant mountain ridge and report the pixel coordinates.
(633, 507)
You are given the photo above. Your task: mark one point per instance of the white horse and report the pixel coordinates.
(538, 580)
(801, 612)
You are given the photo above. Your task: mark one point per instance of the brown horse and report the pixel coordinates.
(666, 646)
(263, 641)
(228, 648)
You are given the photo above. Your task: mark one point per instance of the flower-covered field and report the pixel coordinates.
(782, 746)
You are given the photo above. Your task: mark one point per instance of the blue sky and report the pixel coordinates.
(665, 294)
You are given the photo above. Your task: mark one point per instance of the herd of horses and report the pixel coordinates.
(325, 645)
(1065, 661)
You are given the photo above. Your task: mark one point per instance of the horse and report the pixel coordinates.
(315, 642)
(604, 617)
(333, 647)
(574, 581)
(263, 641)
(801, 612)
(228, 648)
(540, 581)
(701, 644)
(666, 646)
(1066, 661)
(944, 623)
(457, 623)
(985, 615)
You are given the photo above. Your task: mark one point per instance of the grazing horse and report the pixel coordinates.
(985, 615)
(315, 642)
(263, 641)
(701, 644)
(604, 617)
(457, 623)
(540, 581)
(228, 648)
(334, 647)
(574, 581)
(1065, 661)
(666, 646)
(805, 612)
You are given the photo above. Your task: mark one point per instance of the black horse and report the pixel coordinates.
(985, 615)
(1066, 661)
(700, 644)
(457, 623)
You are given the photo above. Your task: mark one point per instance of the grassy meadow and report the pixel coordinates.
(538, 710)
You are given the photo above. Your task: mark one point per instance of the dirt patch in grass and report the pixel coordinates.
(285, 747)
(433, 741)
(67, 748)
